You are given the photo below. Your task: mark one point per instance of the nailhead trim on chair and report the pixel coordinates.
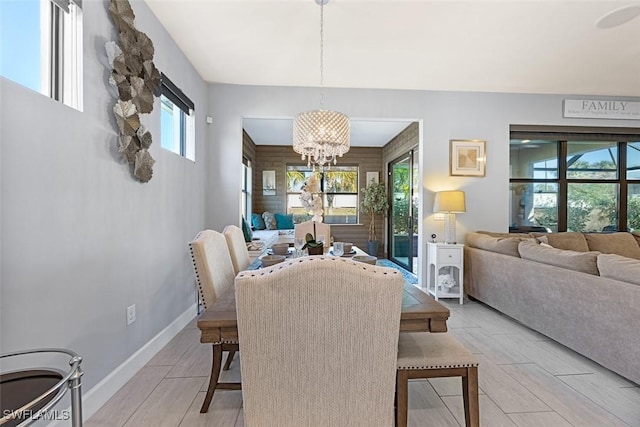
(193, 260)
(462, 365)
(281, 265)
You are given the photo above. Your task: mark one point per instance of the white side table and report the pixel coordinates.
(444, 258)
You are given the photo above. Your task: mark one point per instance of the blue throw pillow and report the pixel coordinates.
(285, 222)
(257, 222)
(246, 230)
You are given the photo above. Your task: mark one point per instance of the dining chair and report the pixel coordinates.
(322, 229)
(237, 248)
(214, 276)
(318, 339)
(433, 355)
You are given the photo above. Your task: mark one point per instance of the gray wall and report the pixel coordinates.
(442, 116)
(81, 238)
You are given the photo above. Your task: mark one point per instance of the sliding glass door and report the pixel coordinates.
(402, 222)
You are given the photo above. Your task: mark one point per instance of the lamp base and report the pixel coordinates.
(450, 228)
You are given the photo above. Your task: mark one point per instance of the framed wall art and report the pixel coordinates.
(467, 157)
(268, 183)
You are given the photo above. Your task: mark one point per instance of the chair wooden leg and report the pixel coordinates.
(213, 379)
(470, 397)
(227, 364)
(402, 392)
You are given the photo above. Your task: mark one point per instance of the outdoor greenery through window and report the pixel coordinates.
(339, 187)
(41, 47)
(587, 182)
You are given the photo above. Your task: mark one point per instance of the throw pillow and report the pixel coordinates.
(270, 221)
(584, 262)
(246, 230)
(620, 268)
(285, 222)
(257, 222)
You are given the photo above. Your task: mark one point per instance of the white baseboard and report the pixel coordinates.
(99, 394)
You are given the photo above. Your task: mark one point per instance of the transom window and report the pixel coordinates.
(339, 187)
(177, 118)
(41, 47)
(588, 182)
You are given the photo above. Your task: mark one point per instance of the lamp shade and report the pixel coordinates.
(450, 202)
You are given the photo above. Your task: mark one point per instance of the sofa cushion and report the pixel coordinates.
(502, 245)
(270, 221)
(570, 240)
(246, 230)
(258, 222)
(619, 268)
(497, 234)
(284, 222)
(614, 243)
(585, 262)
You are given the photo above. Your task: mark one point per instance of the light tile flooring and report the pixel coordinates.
(525, 379)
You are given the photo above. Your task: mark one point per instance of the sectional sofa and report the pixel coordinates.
(582, 290)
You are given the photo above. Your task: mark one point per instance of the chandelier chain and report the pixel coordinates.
(322, 55)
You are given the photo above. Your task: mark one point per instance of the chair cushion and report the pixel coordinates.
(284, 222)
(432, 350)
(270, 221)
(614, 243)
(619, 268)
(246, 230)
(257, 222)
(584, 262)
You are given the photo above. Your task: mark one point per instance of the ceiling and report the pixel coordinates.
(517, 46)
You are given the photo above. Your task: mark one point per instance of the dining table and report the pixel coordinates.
(219, 325)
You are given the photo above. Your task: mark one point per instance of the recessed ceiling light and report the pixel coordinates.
(618, 16)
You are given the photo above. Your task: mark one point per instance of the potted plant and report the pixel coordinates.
(311, 245)
(374, 201)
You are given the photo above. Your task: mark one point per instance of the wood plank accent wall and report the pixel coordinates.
(248, 147)
(400, 144)
(277, 157)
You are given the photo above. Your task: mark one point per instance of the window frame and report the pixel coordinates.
(564, 136)
(323, 185)
(184, 121)
(61, 52)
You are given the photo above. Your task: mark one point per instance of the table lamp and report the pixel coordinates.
(449, 203)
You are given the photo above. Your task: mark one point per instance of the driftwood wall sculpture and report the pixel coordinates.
(137, 81)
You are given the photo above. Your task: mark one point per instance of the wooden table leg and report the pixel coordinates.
(213, 380)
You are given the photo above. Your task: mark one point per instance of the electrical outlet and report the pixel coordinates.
(131, 314)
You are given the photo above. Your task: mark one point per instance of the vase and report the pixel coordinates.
(319, 250)
(372, 247)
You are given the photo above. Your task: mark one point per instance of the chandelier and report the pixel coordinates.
(321, 136)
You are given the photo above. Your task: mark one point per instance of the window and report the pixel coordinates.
(41, 47)
(587, 181)
(339, 186)
(246, 188)
(177, 118)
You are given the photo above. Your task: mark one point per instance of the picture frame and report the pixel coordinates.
(467, 157)
(372, 177)
(268, 183)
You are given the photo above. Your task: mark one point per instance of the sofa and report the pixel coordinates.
(582, 290)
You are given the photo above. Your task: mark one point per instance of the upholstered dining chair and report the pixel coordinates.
(433, 355)
(318, 343)
(214, 276)
(322, 229)
(237, 248)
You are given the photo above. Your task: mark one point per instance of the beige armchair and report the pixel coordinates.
(214, 276)
(237, 248)
(322, 229)
(319, 341)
